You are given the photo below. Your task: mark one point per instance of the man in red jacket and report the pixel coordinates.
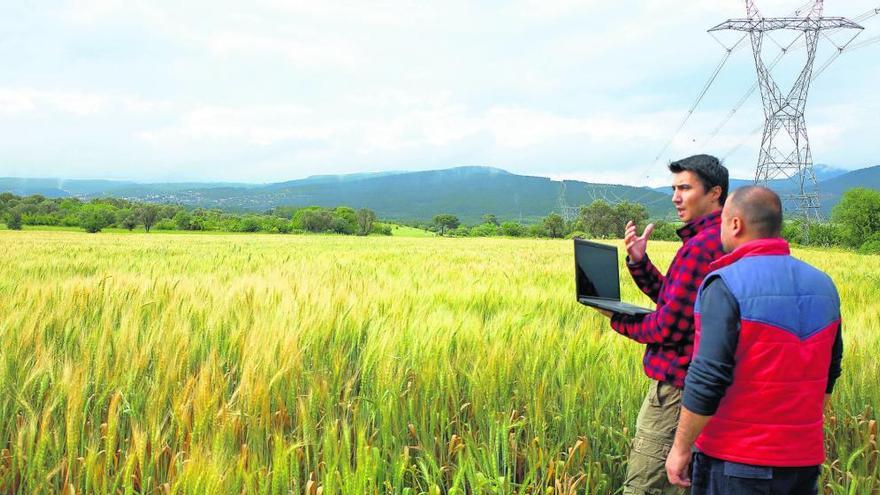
(768, 348)
(699, 188)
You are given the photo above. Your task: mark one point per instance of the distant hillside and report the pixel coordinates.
(823, 173)
(864, 177)
(831, 190)
(468, 192)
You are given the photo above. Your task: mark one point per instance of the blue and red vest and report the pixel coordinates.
(771, 415)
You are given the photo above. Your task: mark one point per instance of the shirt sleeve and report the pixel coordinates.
(711, 370)
(673, 321)
(646, 276)
(836, 358)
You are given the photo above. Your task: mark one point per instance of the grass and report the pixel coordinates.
(334, 364)
(406, 231)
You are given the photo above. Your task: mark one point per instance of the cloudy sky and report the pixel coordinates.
(274, 90)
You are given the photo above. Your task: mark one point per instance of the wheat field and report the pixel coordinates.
(321, 364)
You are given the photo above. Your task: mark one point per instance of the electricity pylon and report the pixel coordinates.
(786, 155)
(568, 213)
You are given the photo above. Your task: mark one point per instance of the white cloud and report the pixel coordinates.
(314, 52)
(255, 125)
(437, 125)
(81, 103)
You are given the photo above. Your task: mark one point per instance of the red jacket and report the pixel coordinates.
(771, 414)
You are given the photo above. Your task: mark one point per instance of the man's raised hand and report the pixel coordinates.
(635, 244)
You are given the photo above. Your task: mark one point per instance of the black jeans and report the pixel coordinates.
(711, 476)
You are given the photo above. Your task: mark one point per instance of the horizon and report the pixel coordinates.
(372, 174)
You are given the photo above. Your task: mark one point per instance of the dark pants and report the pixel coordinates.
(713, 476)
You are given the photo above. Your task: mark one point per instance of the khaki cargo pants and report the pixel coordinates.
(655, 431)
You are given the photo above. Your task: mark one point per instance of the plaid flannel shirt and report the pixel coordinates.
(669, 330)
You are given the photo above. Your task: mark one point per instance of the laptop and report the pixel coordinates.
(597, 278)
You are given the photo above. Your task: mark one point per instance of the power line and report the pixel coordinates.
(748, 94)
(696, 102)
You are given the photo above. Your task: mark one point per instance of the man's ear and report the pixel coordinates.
(716, 193)
(736, 226)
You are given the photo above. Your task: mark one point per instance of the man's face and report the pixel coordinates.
(691, 200)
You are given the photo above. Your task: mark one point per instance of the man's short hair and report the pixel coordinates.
(760, 208)
(709, 170)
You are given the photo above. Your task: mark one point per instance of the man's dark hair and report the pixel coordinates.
(710, 171)
(760, 209)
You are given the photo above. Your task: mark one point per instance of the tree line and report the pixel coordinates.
(854, 224)
(98, 214)
(598, 220)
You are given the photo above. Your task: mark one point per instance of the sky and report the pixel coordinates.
(274, 90)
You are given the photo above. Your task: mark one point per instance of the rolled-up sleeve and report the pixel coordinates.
(711, 370)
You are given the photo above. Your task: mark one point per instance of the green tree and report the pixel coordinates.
(602, 220)
(313, 220)
(484, 230)
(512, 229)
(382, 229)
(365, 219)
(167, 211)
(446, 221)
(93, 217)
(275, 224)
(183, 220)
(858, 212)
(537, 230)
(554, 224)
(248, 223)
(13, 219)
(345, 220)
(33, 199)
(872, 245)
(665, 231)
(598, 219)
(491, 218)
(147, 215)
(126, 219)
(626, 211)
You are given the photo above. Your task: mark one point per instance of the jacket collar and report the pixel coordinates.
(775, 246)
(695, 227)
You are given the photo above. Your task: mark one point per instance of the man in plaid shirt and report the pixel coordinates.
(699, 187)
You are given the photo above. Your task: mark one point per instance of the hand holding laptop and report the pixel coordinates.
(636, 245)
(605, 312)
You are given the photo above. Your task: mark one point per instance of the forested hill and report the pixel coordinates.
(467, 192)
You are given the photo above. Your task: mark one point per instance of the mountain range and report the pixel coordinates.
(468, 192)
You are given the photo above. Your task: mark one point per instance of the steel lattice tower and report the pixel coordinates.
(785, 147)
(568, 213)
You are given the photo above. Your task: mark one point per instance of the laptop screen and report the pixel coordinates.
(596, 270)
